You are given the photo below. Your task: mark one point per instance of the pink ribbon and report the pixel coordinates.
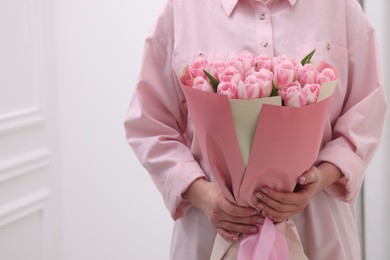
(267, 244)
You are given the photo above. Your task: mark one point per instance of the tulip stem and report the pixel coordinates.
(275, 91)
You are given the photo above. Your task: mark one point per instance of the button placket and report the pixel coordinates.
(264, 30)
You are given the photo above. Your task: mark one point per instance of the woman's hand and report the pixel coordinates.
(279, 206)
(231, 221)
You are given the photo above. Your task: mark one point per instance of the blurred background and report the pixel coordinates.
(70, 187)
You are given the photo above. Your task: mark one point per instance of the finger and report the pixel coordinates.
(278, 215)
(275, 204)
(309, 177)
(253, 220)
(238, 228)
(274, 215)
(229, 235)
(236, 211)
(289, 198)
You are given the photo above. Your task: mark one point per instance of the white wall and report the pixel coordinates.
(111, 208)
(377, 181)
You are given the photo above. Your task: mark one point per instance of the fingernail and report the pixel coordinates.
(235, 239)
(260, 220)
(264, 191)
(259, 196)
(254, 230)
(260, 206)
(301, 180)
(255, 212)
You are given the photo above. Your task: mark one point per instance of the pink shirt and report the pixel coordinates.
(160, 132)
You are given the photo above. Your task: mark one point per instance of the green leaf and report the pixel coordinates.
(308, 57)
(274, 92)
(213, 81)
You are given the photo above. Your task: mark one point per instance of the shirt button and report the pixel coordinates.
(262, 17)
(328, 47)
(265, 44)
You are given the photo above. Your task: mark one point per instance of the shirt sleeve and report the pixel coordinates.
(156, 121)
(358, 130)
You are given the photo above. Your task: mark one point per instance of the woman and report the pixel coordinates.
(161, 133)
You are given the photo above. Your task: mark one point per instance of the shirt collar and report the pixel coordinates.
(229, 5)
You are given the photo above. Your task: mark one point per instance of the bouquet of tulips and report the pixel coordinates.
(247, 77)
(259, 123)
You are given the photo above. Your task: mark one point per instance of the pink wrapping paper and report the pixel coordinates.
(285, 144)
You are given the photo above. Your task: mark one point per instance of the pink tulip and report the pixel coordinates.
(228, 88)
(264, 79)
(248, 90)
(186, 78)
(202, 84)
(243, 63)
(264, 62)
(283, 92)
(230, 74)
(284, 74)
(217, 67)
(197, 66)
(326, 75)
(294, 96)
(312, 92)
(282, 58)
(307, 74)
(279, 60)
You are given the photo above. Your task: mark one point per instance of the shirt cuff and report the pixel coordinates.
(180, 178)
(352, 167)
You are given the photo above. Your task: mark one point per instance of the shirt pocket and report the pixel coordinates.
(337, 57)
(333, 54)
(325, 51)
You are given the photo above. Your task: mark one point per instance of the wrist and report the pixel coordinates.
(329, 174)
(195, 191)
